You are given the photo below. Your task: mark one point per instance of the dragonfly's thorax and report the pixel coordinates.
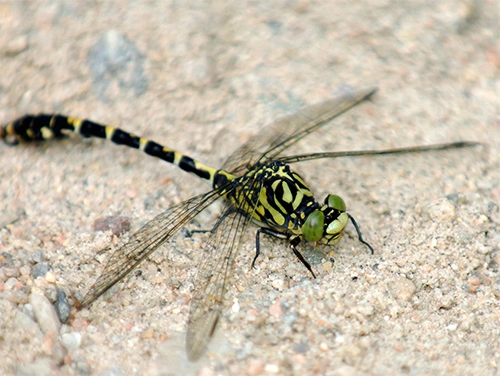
(275, 197)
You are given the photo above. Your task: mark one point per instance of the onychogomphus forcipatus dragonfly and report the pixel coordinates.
(257, 185)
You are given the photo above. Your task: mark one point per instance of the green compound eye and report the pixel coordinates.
(335, 202)
(313, 226)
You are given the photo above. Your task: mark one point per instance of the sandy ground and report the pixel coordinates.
(202, 78)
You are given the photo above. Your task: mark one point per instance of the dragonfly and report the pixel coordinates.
(256, 183)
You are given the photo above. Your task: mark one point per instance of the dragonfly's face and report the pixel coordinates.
(326, 224)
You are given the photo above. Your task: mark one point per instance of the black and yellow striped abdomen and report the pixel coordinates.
(45, 127)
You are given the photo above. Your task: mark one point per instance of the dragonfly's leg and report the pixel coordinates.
(257, 247)
(190, 233)
(266, 231)
(359, 233)
(293, 243)
(217, 224)
(301, 258)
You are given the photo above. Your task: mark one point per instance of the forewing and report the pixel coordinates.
(272, 140)
(145, 241)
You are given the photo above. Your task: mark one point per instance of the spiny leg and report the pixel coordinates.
(280, 235)
(294, 244)
(266, 231)
(216, 225)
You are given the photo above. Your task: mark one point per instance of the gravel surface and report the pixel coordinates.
(202, 77)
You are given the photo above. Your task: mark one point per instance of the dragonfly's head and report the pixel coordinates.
(326, 224)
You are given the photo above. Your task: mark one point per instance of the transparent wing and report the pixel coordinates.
(145, 241)
(360, 153)
(274, 139)
(214, 274)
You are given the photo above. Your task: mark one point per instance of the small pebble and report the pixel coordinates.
(37, 256)
(235, 308)
(71, 341)
(45, 313)
(349, 353)
(40, 269)
(256, 367)
(50, 277)
(10, 283)
(18, 297)
(299, 358)
(79, 324)
(11, 271)
(271, 368)
(401, 288)
(275, 309)
(16, 46)
(301, 348)
(474, 283)
(148, 333)
(62, 306)
(494, 260)
(290, 318)
(442, 211)
(278, 284)
(447, 302)
(25, 270)
(5, 257)
(327, 265)
(50, 292)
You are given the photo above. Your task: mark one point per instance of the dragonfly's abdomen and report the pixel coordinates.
(44, 127)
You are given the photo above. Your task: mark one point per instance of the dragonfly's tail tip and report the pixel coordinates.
(371, 91)
(365, 93)
(467, 144)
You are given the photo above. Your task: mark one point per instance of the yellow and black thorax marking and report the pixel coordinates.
(275, 196)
